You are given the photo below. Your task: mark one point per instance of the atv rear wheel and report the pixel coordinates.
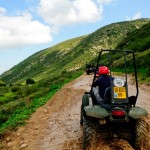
(93, 132)
(141, 135)
(87, 71)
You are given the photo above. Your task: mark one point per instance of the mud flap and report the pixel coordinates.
(137, 112)
(96, 111)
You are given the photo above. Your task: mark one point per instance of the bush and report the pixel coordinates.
(29, 81)
(15, 88)
(27, 90)
(2, 83)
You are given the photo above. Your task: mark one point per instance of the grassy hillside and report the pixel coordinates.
(39, 63)
(72, 54)
(139, 41)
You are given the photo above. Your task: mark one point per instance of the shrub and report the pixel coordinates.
(27, 90)
(2, 83)
(15, 88)
(29, 81)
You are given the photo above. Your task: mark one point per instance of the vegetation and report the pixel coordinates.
(139, 41)
(2, 83)
(31, 83)
(26, 99)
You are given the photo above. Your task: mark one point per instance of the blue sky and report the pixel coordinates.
(28, 26)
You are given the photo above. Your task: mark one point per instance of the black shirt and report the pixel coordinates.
(103, 82)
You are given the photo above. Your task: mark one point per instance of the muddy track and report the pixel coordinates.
(56, 125)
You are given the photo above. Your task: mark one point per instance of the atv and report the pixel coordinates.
(90, 68)
(118, 117)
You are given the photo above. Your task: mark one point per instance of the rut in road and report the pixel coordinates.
(56, 125)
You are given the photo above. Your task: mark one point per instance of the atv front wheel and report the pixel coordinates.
(85, 102)
(81, 115)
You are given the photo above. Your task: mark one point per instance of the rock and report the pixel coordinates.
(75, 130)
(36, 128)
(51, 122)
(10, 144)
(23, 145)
(18, 134)
(7, 139)
(21, 142)
(45, 110)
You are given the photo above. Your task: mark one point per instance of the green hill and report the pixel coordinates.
(75, 53)
(40, 64)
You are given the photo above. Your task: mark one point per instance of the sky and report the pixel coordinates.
(28, 26)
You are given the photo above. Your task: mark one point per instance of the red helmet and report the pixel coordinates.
(103, 70)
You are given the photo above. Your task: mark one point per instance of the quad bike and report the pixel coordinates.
(117, 117)
(90, 69)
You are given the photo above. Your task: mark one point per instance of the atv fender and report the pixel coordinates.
(137, 112)
(96, 111)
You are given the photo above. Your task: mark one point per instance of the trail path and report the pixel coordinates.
(55, 126)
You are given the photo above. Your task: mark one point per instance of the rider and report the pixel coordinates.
(102, 83)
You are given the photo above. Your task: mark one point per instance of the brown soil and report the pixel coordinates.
(56, 125)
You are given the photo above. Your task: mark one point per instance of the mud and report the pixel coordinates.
(56, 125)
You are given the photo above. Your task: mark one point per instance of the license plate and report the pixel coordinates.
(120, 92)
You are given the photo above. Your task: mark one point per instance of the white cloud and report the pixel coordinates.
(18, 31)
(21, 30)
(104, 1)
(2, 11)
(138, 15)
(66, 12)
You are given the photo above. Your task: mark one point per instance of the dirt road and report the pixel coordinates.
(55, 126)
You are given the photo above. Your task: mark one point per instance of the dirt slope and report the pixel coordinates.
(55, 126)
